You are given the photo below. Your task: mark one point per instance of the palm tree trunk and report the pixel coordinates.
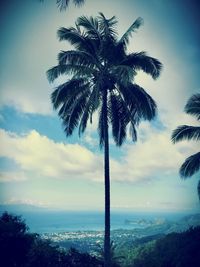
(107, 184)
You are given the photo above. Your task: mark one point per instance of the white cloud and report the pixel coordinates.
(152, 157)
(44, 157)
(26, 99)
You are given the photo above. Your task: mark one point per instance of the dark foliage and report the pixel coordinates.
(77, 259)
(15, 241)
(19, 248)
(174, 250)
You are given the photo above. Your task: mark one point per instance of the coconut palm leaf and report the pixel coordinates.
(75, 110)
(66, 107)
(107, 27)
(119, 118)
(69, 69)
(76, 38)
(185, 132)
(56, 71)
(133, 132)
(66, 90)
(91, 26)
(126, 36)
(123, 73)
(91, 106)
(79, 58)
(63, 4)
(193, 106)
(140, 61)
(131, 116)
(190, 166)
(138, 100)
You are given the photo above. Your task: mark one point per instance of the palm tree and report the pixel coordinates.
(63, 4)
(185, 132)
(101, 79)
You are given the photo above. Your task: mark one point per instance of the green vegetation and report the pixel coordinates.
(100, 79)
(173, 250)
(185, 132)
(19, 248)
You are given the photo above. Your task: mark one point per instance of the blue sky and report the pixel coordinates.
(40, 166)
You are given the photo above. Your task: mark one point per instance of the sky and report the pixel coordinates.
(40, 166)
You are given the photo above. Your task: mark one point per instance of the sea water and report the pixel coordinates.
(57, 221)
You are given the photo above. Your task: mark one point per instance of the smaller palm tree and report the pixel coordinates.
(185, 132)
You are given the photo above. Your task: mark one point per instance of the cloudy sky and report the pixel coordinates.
(40, 166)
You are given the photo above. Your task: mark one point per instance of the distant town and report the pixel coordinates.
(92, 241)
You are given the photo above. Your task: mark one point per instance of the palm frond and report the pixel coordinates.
(90, 107)
(140, 61)
(136, 24)
(76, 38)
(92, 32)
(119, 118)
(123, 74)
(79, 2)
(71, 117)
(140, 103)
(193, 106)
(190, 166)
(107, 26)
(56, 71)
(68, 89)
(130, 114)
(133, 132)
(80, 58)
(91, 26)
(63, 4)
(185, 132)
(69, 69)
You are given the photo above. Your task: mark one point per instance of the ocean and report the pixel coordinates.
(65, 221)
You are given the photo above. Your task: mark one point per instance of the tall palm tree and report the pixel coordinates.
(100, 78)
(63, 4)
(185, 132)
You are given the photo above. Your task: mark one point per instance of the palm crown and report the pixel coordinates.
(185, 132)
(100, 65)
